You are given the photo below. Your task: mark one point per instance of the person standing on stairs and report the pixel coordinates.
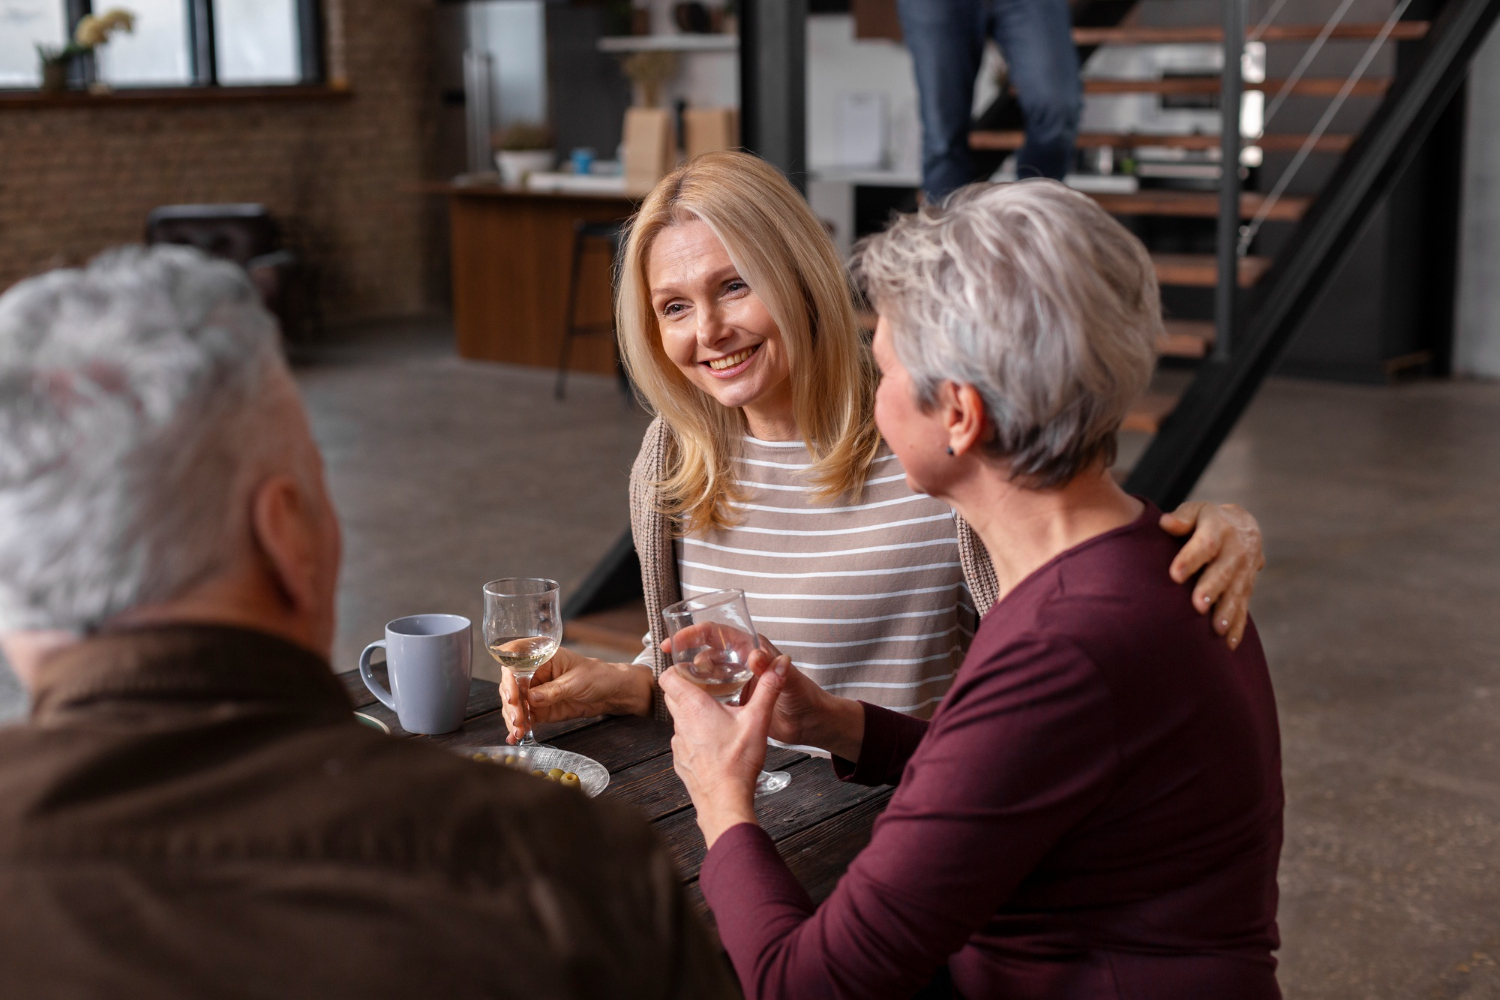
(946, 39)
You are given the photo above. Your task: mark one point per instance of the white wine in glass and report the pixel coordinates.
(523, 654)
(522, 630)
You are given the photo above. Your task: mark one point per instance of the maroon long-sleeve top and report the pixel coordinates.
(1094, 810)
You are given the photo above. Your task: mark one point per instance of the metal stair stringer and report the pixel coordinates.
(1213, 403)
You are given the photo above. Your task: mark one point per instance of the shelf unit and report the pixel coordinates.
(670, 43)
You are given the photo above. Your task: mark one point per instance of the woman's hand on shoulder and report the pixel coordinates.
(1227, 546)
(570, 686)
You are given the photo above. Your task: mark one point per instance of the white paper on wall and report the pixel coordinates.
(862, 130)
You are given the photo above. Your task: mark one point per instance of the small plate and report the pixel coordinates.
(593, 777)
(372, 722)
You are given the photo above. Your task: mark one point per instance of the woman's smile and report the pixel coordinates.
(731, 365)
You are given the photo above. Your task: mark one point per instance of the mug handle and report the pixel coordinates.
(369, 677)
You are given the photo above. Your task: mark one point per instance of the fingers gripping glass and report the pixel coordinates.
(712, 638)
(522, 630)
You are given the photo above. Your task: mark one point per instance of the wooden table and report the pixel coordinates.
(512, 254)
(819, 823)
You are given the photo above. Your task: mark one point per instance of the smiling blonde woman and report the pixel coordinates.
(764, 469)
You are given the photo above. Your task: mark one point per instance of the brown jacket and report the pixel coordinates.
(194, 812)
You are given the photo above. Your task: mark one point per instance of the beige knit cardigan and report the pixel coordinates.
(653, 534)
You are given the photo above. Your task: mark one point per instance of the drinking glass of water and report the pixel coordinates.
(712, 637)
(522, 629)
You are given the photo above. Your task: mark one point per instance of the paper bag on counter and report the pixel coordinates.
(650, 149)
(709, 129)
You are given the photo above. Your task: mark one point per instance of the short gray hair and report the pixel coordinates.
(1033, 295)
(134, 396)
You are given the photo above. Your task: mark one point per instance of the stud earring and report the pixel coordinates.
(950, 449)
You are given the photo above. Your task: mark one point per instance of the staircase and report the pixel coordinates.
(1314, 230)
(1432, 56)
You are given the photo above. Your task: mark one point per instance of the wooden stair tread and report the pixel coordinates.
(1198, 204)
(1201, 270)
(1148, 412)
(1307, 86)
(1275, 141)
(617, 629)
(1206, 34)
(1186, 338)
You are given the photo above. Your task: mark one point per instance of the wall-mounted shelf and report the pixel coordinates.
(866, 178)
(670, 43)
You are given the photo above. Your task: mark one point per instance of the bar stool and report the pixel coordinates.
(609, 233)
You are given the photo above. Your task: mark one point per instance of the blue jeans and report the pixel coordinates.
(946, 39)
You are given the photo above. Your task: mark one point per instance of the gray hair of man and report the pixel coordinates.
(1036, 297)
(141, 398)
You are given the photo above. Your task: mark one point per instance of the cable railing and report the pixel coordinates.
(1249, 231)
(1234, 239)
(1307, 58)
(1325, 239)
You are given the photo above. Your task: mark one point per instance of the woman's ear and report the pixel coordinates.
(964, 417)
(284, 526)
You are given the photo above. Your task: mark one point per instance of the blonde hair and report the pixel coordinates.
(782, 251)
(1033, 295)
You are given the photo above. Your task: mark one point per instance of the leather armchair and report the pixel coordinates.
(249, 236)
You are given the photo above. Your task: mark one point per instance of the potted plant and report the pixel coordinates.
(55, 62)
(647, 71)
(93, 31)
(521, 149)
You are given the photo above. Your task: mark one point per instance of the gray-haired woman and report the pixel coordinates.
(1094, 809)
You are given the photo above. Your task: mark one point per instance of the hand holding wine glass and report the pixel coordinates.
(522, 630)
(571, 686)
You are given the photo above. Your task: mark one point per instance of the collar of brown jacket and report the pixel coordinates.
(184, 664)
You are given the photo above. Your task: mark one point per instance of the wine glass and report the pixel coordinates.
(522, 630)
(712, 637)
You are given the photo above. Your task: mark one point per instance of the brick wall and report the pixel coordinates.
(74, 180)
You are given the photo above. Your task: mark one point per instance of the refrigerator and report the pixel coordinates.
(500, 62)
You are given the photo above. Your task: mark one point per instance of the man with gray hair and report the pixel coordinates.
(192, 809)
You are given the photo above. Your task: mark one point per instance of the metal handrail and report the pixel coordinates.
(1231, 84)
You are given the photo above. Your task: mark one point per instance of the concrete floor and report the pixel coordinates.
(448, 474)
(1380, 612)
(1380, 609)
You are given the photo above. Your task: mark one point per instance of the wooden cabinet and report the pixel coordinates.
(512, 251)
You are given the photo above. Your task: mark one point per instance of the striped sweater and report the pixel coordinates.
(867, 598)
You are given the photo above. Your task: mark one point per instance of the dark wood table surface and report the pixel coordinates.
(818, 822)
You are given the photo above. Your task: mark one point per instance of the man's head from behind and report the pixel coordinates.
(155, 462)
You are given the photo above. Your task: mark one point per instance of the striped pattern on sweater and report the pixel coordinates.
(867, 598)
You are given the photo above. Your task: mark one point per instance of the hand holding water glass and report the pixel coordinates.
(712, 638)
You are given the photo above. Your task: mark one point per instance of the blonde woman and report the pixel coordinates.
(764, 469)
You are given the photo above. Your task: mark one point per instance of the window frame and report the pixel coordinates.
(203, 53)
